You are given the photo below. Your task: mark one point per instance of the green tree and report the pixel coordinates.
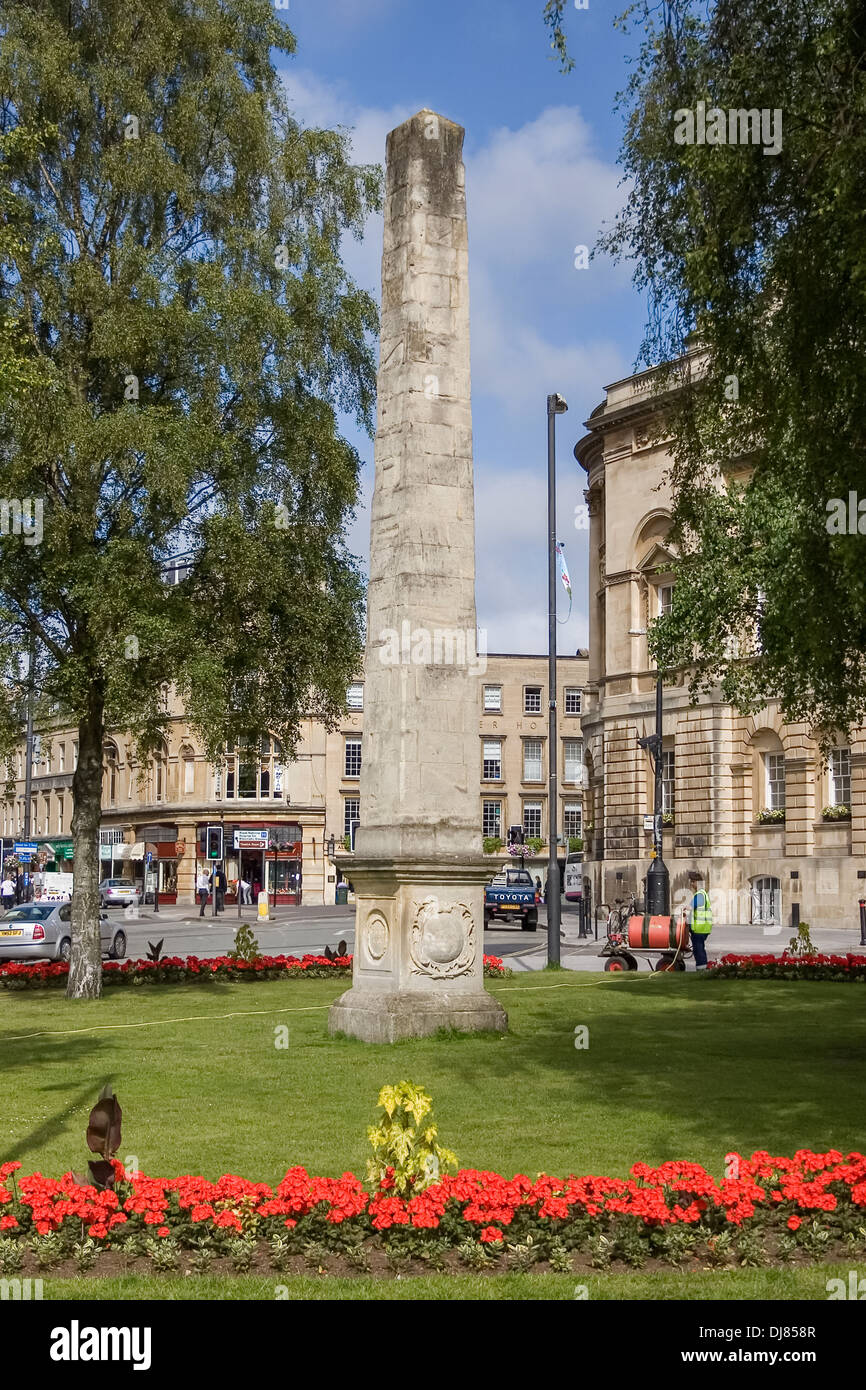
(177, 339)
(753, 261)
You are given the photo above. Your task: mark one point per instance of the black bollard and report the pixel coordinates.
(863, 921)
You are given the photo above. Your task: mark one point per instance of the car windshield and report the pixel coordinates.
(30, 912)
(519, 876)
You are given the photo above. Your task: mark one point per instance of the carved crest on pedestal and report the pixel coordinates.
(441, 939)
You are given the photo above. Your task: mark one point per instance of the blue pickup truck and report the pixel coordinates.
(512, 894)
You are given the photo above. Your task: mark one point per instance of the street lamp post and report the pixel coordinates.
(555, 406)
(658, 887)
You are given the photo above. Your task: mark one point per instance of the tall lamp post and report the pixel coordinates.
(658, 884)
(555, 406)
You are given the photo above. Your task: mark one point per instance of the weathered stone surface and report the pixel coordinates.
(418, 873)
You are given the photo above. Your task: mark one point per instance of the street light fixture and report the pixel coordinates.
(555, 406)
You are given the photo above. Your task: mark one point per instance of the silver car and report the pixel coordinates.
(118, 891)
(35, 931)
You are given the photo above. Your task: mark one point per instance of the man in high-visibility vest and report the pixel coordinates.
(700, 921)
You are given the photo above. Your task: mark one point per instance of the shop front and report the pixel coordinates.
(268, 855)
(159, 872)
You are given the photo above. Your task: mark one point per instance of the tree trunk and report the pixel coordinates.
(85, 966)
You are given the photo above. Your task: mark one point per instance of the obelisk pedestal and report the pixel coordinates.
(418, 871)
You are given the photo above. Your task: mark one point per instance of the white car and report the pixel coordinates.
(36, 931)
(118, 892)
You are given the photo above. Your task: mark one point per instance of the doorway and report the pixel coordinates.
(766, 902)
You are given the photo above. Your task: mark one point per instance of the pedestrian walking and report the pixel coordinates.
(202, 887)
(700, 920)
(7, 892)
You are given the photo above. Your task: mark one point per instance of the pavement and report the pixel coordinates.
(301, 930)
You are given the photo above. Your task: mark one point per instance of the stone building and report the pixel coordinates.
(278, 816)
(749, 801)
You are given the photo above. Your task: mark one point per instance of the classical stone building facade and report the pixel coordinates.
(294, 806)
(749, 801)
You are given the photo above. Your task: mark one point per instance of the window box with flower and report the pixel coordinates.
(771, 816)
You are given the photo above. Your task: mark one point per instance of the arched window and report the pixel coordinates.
(112, 763)
(159, 775)
(768, 776)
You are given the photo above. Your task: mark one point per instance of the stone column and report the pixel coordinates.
(418, 871)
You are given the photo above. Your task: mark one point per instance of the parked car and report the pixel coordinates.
(36, 931)
(118, 892)
(512, 893)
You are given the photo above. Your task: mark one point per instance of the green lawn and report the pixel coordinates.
(729, 1284)
(677, 1067)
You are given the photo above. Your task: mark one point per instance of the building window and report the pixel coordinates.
(188, 774)
(532, 699)
(572, 820)
(492, 764)
(253, 769)
(493, 699)
(355, 696)
(46, 827)
(60, 815)
(491, 819)
(532, 761)
(159, 775)
(572, 699)
(532, 820)
(111, 761)
(74, 753)
(351, 813)
(665, 598)
(840, 777)
(352, 763)
(573, 751)
(668, 780)
(61, 757)
(774, 764)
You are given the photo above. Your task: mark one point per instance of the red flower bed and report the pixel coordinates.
(24, 974)
(785, 967)
(812, 1197)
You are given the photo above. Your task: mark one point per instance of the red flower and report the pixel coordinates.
(490, 1235)
(794, 1223)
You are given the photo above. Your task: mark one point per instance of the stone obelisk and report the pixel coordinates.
(418, 871)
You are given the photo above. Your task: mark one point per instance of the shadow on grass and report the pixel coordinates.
(57, 1123)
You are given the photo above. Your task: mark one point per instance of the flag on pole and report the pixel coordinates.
(563, 569)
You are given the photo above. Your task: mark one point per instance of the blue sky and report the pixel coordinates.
(541, 178)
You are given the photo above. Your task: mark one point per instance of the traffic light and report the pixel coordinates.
(214, 842)
(516, 835)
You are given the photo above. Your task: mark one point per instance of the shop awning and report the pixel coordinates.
(136, 851)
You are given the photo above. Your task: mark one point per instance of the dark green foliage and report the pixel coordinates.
(761, 259)
(177, 338)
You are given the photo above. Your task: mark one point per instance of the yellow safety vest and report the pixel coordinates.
(702, 917)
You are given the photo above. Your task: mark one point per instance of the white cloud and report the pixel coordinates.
(533, 194)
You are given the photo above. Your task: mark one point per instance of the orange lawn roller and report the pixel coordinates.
(657, 933)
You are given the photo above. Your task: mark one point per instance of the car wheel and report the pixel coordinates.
(118, 946)
(527, 925)
(64, 951)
